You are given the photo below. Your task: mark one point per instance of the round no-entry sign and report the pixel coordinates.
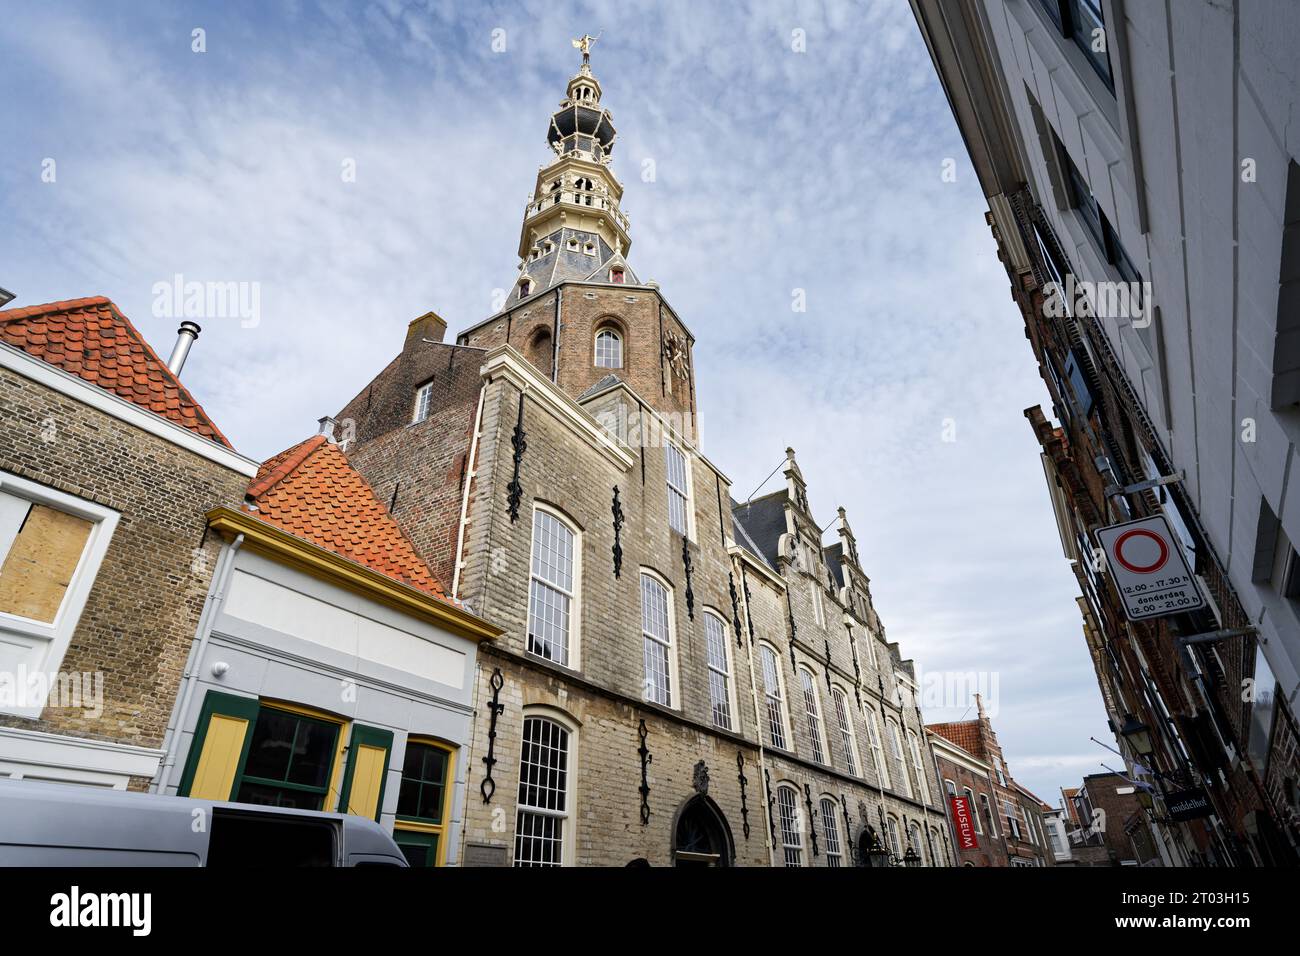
(1141, 551)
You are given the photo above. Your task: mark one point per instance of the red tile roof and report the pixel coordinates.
(92, 339)
(311, 491)
(964, 733)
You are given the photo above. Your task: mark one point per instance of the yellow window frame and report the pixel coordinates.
(440, 829)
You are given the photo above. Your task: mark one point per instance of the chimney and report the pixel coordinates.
(185, 336)
(429, 326)
(327, 426)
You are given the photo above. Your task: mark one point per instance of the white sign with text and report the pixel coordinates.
(1146, 560)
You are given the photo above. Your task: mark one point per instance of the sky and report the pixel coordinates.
(359, 164)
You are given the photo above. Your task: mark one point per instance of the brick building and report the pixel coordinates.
(1108, 823)
(683, 679)
(1122, 177)
(106, 463)
(996, 822)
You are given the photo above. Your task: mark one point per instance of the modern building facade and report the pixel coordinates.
(1140, 165)
(683, 679)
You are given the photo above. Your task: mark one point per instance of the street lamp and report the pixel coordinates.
(911, 857)
(1137, 734)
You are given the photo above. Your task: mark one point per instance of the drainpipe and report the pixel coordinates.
(216, 597)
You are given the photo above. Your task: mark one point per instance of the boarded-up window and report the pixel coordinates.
(40, 547)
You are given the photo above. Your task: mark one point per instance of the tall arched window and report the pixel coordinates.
(973, 807)
(918, 765)
(914, 838)
(845, 722)
(896, 751)
(719, 662)
(772, 692)
(657, 638)
(831, 832)
(609, 349)
(814, 714)
(877, 752)
(891, 833)
(988, 814)
(787, 804)
(545, 806)
(552, 591)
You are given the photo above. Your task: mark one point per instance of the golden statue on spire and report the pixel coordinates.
(584, 44)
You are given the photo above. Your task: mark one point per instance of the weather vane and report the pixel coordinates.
(584, 44)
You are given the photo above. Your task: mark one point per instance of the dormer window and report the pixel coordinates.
(589, 248)
(525, 287)
(548, 248)
(616, 275)
(573, 245)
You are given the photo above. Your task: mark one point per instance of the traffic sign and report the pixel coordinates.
(1146, 561)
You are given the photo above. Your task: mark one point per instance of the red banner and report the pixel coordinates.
(961, 811)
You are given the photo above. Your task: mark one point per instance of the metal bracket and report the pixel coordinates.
(1114, 491)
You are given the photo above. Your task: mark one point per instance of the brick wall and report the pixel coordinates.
(144, 607)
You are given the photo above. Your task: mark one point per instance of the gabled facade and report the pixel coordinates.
(106, 466)
(667, 689)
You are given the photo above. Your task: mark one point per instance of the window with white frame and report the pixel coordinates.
(51, 546)
(719, 662)
(896, 751)
(551, 611)
(657, 638)
(950, 787)
(891, 830)
(845, 721)
(819, 606)
(787, 802)
(609, 349)
(877, 751)
(974, 808)
(1013, 824)
(914, 839)
(423, 401)
(914, 746)
(988, 814)
(678, 489)
(545, 793)
(774, 697)
(814, 714)
(831, 833)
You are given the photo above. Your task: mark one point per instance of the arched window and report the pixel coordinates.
(814, 714)
(950, 787)
(845, 721)
(914, 838)
(702, 837)
(609, 349)
(541, 352)
(988, 814)
(552, 590)
(657, 638)
(877, 752)
(896, 751)
(719, 663)
(914, 748)
(772, 692)
(545, 805)
(831, 832)
(891, 833)
(974, 808)
(787, 804)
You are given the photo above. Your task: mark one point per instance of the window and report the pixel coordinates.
(1082, 22)
(423, 801)
(970, 802)
(819, 606)
(891, 831)
(814, 714)
(715, 639)
(1054, 837)
(877, 752)
(914, 841)
(831, 833)
(988, 814)
(51, 545)
(772, 693)
(551, 590)
(896, 751)
(656, 630)
(289, 760)
(526, 284)
(950, 787)
(616, 276)
(541, 837)
(787, 803)
(1013, 824)
(423, 399)
(678, 493)
(997, 767)
(609, 349)
(842, 718)
(914, 745)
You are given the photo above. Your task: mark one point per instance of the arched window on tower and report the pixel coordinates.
(609, 349)
(541, 352)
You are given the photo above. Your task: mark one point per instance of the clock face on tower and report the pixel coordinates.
(676, 356)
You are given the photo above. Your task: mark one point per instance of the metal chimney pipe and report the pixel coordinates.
(185, 336)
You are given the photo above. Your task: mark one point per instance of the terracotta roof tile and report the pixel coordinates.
(964, 733)
(311, 491)
(92, 339)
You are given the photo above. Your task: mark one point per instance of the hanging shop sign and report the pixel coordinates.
(961, 811)
(1146, 561)
(1188, 804)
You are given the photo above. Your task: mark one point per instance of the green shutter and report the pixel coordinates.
(226, 708)
(363, 782)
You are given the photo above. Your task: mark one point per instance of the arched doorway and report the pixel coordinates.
(701, 836)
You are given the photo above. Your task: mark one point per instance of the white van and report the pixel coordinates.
(49, 824)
